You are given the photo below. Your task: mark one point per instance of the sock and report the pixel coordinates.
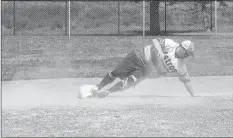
(117, 87)
(109, 78)
(121, 86)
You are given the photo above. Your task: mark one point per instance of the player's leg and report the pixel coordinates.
(124, 69)
(118, 72)
(130, 81)
(108, 79)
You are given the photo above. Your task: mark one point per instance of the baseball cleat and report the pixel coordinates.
(103, 94)
(94, 91)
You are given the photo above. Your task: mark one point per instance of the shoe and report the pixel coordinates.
(103, 94)
(94, 91)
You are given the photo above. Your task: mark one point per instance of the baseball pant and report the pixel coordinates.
(131, 70)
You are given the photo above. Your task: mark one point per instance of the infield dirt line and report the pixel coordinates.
(62, 92)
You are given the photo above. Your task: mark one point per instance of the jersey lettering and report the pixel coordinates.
(162, 43)
(168, 64)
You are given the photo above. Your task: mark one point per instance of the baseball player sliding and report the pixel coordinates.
(164, 55)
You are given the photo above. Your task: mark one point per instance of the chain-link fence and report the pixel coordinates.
(183, 17)
(33, 18)
(199, 16)
(113, 17)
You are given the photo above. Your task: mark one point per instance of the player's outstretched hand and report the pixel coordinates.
(198, 96)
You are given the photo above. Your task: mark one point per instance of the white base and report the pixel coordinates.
(85, 91)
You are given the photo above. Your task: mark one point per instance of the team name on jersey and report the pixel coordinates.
(168, 64)
(162, 42)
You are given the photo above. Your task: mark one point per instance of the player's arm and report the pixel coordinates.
(158, 47)
(189, 88)
(187, 83)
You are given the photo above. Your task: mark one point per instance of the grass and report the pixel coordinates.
(41, 57)
(150, 119)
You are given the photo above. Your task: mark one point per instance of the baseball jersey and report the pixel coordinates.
(169, 64)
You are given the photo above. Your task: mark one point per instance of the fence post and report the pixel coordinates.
(211, 16)
(118, 15)
(69, 18)
(66, 10)
(144, 18)
(165, 16)
(216, 23)
(14, 17)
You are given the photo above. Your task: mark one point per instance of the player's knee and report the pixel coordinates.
(131, 80)
(124, 84)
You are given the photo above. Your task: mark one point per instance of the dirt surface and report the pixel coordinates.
(159, 107)
(22, 94)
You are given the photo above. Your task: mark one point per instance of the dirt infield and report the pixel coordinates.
(65, 91)
(159, 107)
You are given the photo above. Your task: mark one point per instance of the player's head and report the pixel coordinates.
(186, 49)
